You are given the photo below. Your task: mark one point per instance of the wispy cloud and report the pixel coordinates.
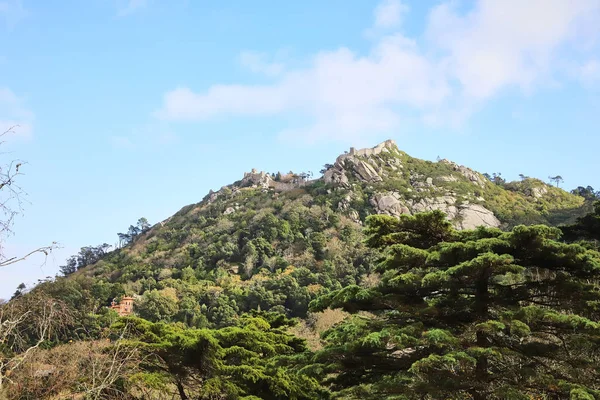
(14, 113)
(127, 7)
(459, 62)
(389, 13)
(257, 63)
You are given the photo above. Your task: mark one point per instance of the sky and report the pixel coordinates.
(131, 108)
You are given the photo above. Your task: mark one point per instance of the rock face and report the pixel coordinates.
(470, 216)
(265, 181)
(471, 175)
(447, 204)
(464, 216)
(393, 183)
(538, 192)
(365, 170)
(336, 176)
(367, 166)
(229, 210)
(389, 204)
(257, 179)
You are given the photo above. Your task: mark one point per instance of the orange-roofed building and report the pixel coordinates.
(125, 307)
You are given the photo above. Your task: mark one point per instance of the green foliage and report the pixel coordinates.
(477, 314)
(585, 228)
(437, 313)
(234, 362)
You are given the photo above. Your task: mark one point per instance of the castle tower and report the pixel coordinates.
(126, 306)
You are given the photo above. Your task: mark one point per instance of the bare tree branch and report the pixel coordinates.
(12, 197)
(45, 250)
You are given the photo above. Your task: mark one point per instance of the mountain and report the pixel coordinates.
(213, 286)
(277, 241)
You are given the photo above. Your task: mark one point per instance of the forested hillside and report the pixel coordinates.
(387, 277)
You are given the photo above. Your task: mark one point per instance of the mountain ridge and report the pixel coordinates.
(426, 186)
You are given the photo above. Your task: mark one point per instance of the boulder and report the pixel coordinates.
(471, 175)
(354, 216)
(470, 216)
(366, 172)
(537, 192)
(445, 204)
(229, 210)
(336, 176)
(389, 204)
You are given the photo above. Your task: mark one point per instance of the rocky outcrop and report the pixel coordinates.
(336, 176)
(256, 179)
(449, 178)
(447, 204)
(361, 164)
(380, 148)
(471, 175)
(464, 216)
(389, 204)
(229, 210)
(537, 192)
(366, 172)
(470, 216)
(265, 181)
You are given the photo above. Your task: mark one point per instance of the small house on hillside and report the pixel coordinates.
(125, 307)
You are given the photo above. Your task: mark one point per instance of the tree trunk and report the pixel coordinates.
(181, 391)
(482, 298)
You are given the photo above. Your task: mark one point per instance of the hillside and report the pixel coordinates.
(215, 285)
(276, 242)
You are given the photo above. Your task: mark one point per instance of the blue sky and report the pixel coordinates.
(131, 108)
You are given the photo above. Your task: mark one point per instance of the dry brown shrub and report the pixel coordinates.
(370, 280)
(315, 324)
(87, 369)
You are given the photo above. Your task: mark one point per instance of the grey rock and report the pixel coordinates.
(336, 175)
(229, 210)
(366, 172)
(538, 192)
(449, 178)
(471, 216)
(389, 204)
(445, 204)
(471, 175)
(354, 216)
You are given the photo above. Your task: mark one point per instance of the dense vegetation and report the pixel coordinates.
(306, 294)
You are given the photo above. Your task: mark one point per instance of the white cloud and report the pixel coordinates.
(256, 62)
(14, 114)
(12, 12)
(127, 7)
(462, 60)
(499, 44)
(389, 13)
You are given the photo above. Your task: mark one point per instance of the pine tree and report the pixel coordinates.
(585, 228)
(480, 314)
(239, 361)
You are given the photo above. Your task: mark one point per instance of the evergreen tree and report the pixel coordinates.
(480, 314)
(586, 227)
(229, 363)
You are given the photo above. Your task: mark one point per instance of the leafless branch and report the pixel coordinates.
(24, 325)
(46, 250)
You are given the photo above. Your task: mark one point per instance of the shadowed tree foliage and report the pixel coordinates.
(480, 314)
(585, 228)
(237, 362)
